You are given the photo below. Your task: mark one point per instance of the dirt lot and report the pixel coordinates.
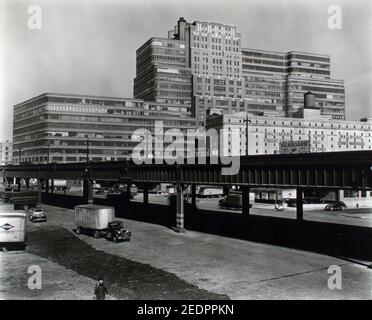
(126, 279)
(57, 282)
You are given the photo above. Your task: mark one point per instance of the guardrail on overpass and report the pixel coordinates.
(339, 170)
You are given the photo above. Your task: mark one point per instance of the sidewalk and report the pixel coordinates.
(316, 206)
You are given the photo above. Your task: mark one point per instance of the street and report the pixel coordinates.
(156, 264)
(349, 216)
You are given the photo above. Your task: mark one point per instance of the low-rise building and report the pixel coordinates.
(269, 135)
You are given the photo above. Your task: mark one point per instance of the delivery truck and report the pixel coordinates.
(234, 200)
(100, 222)
(210, 192)
(12, 227)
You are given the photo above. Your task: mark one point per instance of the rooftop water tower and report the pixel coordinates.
(309, 100)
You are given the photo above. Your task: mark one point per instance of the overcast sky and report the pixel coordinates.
(88, 47)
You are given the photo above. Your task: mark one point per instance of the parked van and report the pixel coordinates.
(210, 192)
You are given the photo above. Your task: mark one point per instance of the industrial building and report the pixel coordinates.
(205, 63)
(198, 70)
(77, 128)
(315, 132)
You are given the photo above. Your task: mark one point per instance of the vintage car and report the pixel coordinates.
(37, 214)
(337, 205)
(116, 232)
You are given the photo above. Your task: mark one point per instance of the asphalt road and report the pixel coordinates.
(359, 217)
(350, 216)
(158, 262)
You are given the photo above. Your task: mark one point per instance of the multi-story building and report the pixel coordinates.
(315, 132)
(162, 75)
(6, 152)
(57, 127)
(265, 134)
(230, 78)
(280, 79)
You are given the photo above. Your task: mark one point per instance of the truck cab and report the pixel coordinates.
(116, 232)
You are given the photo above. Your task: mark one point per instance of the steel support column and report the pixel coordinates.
(179, 208)
(299, 204)
(337, 195)
(245, 201)
(38, 191)
(52, 186)
(88, 191)
(226, 190)
(128, 191)
(193, 195)
(145, 194)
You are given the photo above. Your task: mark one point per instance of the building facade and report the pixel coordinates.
(6, 152)
(162, 75)
(226, 76)
(265, 134)
(58, 127)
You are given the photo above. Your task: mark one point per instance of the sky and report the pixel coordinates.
(89, 47)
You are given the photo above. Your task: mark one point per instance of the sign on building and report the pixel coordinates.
(302, 146)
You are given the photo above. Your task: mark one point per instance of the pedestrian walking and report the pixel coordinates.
(100, 290)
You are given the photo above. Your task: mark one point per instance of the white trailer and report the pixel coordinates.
(91, 218)
(12, 227)
(210, 192)
(288, 194)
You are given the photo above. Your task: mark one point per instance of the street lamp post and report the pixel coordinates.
(87, 143)
(247, 123)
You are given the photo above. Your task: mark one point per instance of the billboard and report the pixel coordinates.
(288, 147)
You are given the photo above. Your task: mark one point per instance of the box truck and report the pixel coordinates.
(210, 192)
(12, 228)
(100, 221)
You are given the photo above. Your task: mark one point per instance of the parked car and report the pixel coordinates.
(338, 205)
(100, 191)
(37, 214)
(116, 232)
(279, 206)
(293, 202)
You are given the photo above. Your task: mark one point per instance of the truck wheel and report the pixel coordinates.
(96, 234)
(78, 230)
